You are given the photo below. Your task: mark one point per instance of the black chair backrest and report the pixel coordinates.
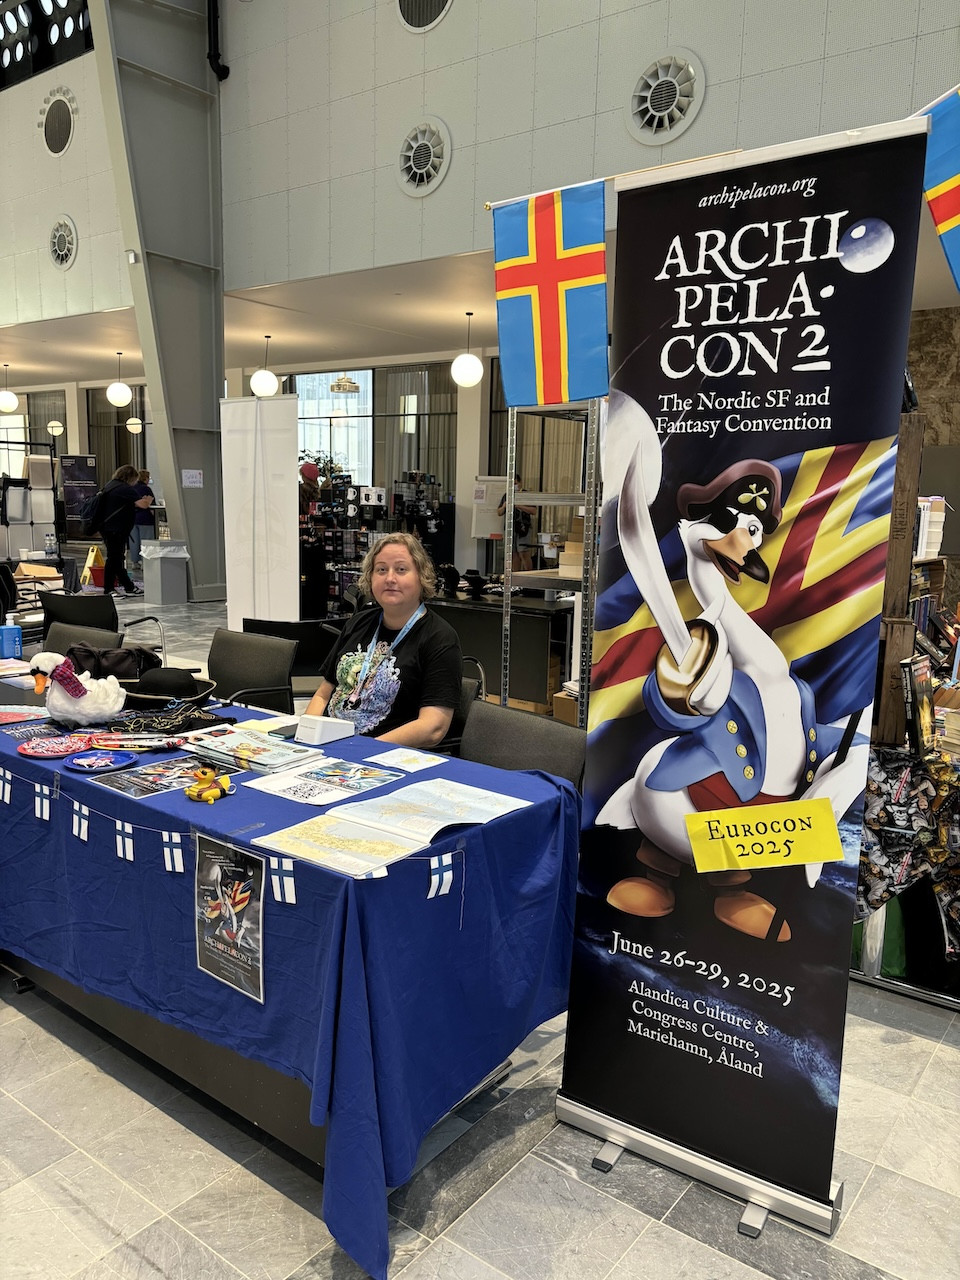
(313, 642)
(511, 739)
(79, 611)
(469, 692)
(62, 635)
(8, 591)
(255, 666)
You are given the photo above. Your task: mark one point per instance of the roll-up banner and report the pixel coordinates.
(761, 314)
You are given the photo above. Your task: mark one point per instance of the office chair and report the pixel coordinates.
(253, 668)
(62, 636)
(24, 597)
(314, 640)
(93, 611)
(510, 739)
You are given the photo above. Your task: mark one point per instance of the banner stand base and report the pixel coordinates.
(762, 1197)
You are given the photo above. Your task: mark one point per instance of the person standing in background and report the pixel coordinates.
(142, 519)
(524, 538)
(118, 506)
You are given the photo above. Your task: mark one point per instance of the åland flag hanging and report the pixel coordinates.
(761, 314)
(550, 262)
(941, 175)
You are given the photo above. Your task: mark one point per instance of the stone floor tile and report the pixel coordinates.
(904, 1226)
(940, 1083)
(779, 1251)
(27, 1144)
(333, 1264)
(899, 1012)
(539, 1224)
(633, 1180)
(664, 1254)
(162, 1251)
(459, 1176)
(924, 1144)
(894, 1059)
(89, 1099)
(263, 1217)
(53, 1224)
(445, 1260)
(171, 1154)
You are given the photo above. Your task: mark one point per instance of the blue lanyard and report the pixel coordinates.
(354, 698)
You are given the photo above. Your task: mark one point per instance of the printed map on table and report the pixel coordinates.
(325, 781)
(367, 835)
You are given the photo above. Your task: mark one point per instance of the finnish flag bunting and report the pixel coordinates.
(124, 839)
(41, 801)
(81, 820)
(172, 851)
(441, 875)
(281, 878)
(6, 779)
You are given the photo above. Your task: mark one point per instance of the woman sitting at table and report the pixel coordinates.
(395, 671)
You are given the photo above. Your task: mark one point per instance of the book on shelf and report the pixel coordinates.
(365, 836)
(917, 679)
(244, 748)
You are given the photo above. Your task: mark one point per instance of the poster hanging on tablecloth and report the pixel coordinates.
(229, 913)
(760, 329)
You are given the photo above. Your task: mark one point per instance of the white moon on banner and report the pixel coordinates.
(866, 245)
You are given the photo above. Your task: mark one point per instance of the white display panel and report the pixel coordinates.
(260, 509)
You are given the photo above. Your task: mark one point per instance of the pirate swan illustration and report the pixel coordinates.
(741, 729)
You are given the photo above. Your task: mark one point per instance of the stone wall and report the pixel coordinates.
(933, 359)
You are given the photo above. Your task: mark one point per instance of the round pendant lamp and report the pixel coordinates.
(467, 369)
(55, 428)
(263, 383)
(134, 426)
(118, 393)
(8, 399)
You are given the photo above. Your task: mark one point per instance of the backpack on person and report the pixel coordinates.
(521, 523)
(91, 514)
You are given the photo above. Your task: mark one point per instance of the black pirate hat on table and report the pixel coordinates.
(163, 685)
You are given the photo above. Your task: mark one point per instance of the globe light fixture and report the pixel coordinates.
(262, 381)
(134, 426)
(118, 393)
(8, 399)
(467, 369)
(55, 428)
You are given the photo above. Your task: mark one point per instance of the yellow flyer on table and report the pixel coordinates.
(764, 835)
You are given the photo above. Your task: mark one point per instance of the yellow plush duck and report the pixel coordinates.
(74, 699)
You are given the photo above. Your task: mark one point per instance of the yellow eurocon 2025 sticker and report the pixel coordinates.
(764, 835)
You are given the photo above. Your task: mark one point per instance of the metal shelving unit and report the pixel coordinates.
(551, 579)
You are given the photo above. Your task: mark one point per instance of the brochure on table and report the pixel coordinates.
(367, 835)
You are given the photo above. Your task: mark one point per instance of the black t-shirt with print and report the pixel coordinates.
(424, 670)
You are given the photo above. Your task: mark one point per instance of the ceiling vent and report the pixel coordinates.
(424, 157)
(666, 98)
(57, 116)
(421, 15)
(63, 243)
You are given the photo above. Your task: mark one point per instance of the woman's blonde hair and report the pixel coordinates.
(421, 561)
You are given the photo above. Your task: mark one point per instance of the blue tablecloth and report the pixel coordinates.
(389, 1004)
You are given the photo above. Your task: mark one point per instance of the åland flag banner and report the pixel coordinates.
(550, 262)
(941, 177)
(761, 313)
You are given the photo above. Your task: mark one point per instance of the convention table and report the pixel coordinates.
(389, 997)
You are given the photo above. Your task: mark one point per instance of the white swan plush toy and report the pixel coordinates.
(74, 699)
